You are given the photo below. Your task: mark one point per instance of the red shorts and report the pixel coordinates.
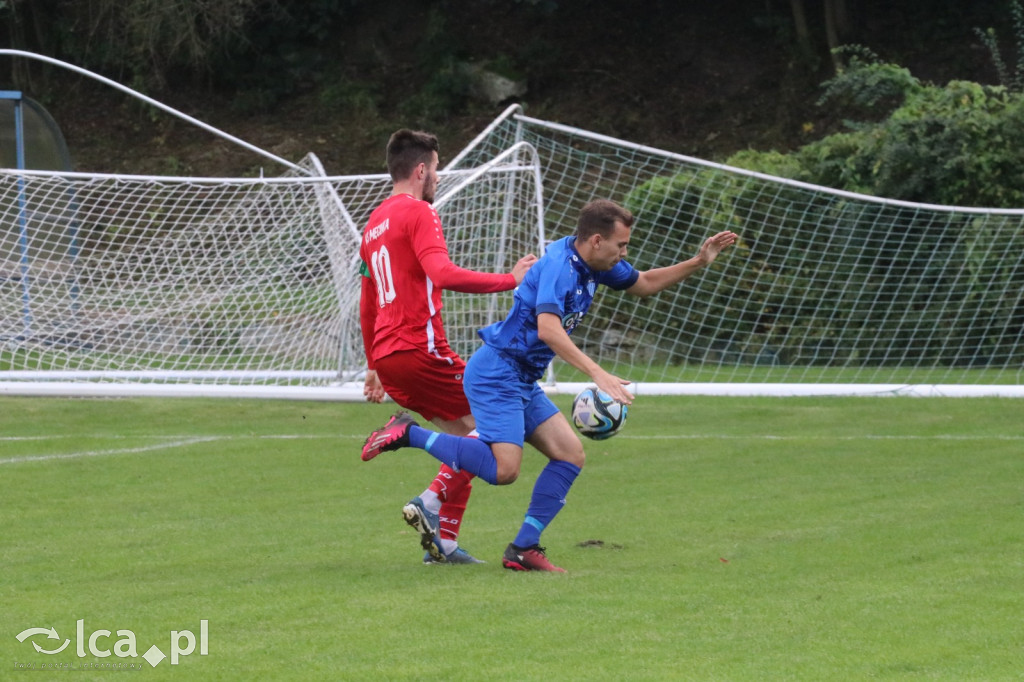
(425, 383)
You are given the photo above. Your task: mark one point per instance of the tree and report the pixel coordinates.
(837, 25)
(141, 41)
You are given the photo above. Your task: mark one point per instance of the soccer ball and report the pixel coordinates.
(596, 414)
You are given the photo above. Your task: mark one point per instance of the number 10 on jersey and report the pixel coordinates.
(380, 263)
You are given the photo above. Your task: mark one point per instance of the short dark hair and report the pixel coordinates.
(408, 149)
(599, 217)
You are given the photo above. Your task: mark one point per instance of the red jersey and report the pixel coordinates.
(405, 266)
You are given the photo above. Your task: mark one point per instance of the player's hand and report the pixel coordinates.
(372, 389)
(613, 386)
(714, 245)
(524, 264)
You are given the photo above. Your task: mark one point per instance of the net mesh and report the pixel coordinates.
(256, 281)
(223, 281)
(824, 286)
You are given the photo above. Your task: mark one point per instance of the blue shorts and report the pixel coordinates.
(506, 408)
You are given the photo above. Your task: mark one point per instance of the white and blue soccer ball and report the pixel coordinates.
(596, 414)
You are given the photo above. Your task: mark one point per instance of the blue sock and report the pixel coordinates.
(458, 452)
(547, 500)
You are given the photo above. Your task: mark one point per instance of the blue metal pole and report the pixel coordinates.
(19, 143)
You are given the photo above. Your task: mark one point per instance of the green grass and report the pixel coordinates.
(739, 538)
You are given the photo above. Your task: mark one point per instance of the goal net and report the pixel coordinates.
(827, 291)
(131, 285)
(118, 285)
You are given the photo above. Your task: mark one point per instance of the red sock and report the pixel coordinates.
(453, 488)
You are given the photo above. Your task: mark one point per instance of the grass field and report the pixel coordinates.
(715, 539)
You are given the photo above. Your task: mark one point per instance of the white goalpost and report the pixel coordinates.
(114, 285)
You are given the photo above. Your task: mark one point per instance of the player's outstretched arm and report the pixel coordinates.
(655, 280)
(550, 331)
(447, 275)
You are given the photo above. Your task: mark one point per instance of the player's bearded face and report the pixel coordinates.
(430, 180)
(430, 185)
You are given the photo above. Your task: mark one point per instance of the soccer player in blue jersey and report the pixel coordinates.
(501, 377)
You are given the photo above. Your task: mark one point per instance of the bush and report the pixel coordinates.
(822, 279)
(955, 145)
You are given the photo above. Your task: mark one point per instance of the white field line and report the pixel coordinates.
(184, 441)
(102, 453)
(936, 437)
(168, 442)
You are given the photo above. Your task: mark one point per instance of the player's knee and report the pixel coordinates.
(570, 451)
(573, 453)
(507, 474)
(507, 477)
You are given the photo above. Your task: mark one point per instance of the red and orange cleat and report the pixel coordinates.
(528, 559)
(391, 436)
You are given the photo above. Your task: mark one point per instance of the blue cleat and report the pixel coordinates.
(456, 556)
(427, 525)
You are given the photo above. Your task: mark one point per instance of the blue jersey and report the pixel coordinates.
(560, 283)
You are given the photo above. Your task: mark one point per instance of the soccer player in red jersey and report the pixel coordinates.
(406, 265)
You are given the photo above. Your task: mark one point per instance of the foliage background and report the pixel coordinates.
(336, 76)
